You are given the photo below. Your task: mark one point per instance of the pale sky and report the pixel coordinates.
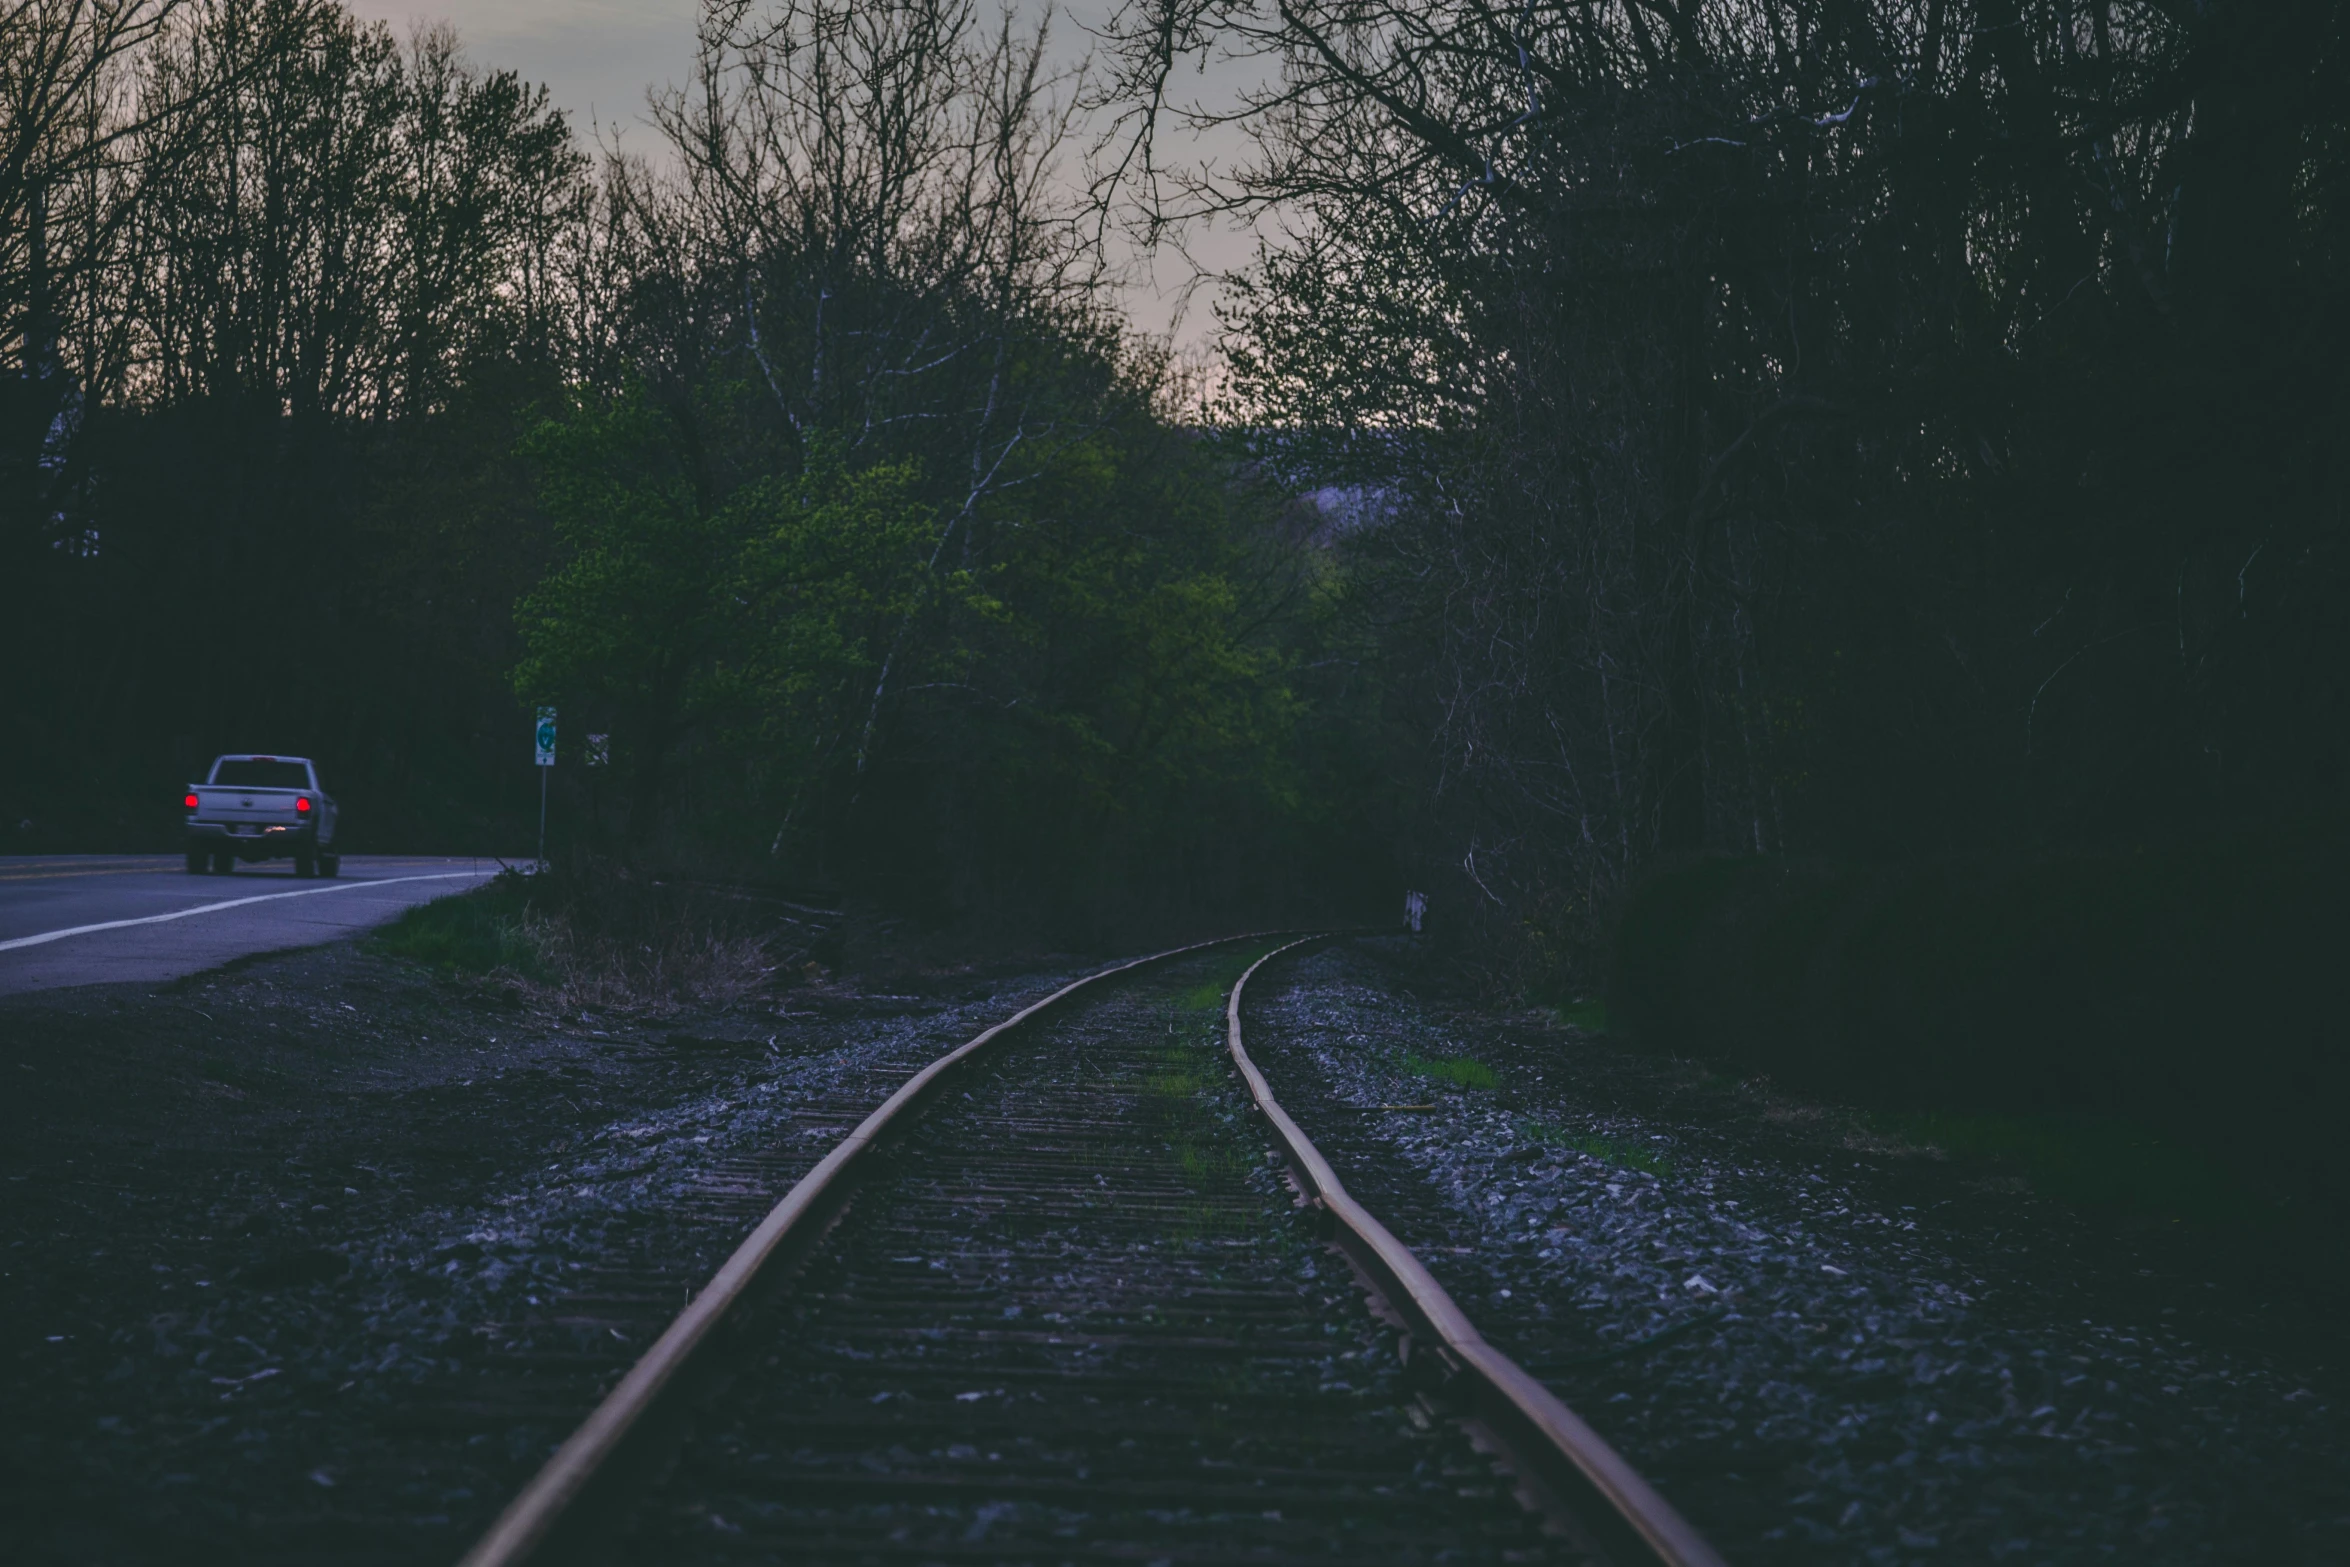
(599, 56)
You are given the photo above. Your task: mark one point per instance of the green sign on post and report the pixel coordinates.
(543, 733)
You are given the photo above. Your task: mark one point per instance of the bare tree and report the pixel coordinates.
(873, 207)
(328, 222)
(1701, 339)
(67, 118)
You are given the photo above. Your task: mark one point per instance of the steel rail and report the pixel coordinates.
(1570, 1471)
(550, 1504)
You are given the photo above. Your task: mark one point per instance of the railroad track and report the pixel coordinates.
(1081, 1291)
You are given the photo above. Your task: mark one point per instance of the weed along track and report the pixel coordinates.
(1072, 1296)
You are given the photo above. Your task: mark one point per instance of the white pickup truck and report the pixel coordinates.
(261, 808)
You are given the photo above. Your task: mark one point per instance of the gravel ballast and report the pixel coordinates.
(316, 1258)
(1821, 1350)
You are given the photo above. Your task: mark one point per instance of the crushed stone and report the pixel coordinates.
(1817, 1362)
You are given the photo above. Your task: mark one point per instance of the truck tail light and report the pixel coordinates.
(191, 802)
(302, 807)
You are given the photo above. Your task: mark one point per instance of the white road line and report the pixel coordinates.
(233, 903)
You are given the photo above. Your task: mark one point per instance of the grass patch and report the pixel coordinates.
(1210, 994)
(1182, 1084)
(1459, 1071)
(1178, 1074)
(476, 932)
(1220, 1164)
(1607, 1150)
(593, 933)
(1588, 1015)
(2094, 1161)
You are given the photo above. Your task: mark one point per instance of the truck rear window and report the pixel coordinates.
(261, 775)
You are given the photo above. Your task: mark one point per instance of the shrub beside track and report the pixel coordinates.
(2189, 990)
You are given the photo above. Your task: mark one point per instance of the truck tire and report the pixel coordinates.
(330, 865)
(196, 859)
(224, 862)
(305, 864)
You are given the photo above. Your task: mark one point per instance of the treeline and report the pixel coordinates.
(1825, 430)
(360, 411)
(279, 291)
(1853, 429)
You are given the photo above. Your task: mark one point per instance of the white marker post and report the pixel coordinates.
(544, 734)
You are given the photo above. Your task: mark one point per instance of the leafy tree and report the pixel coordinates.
(676, 612)
(860, 522)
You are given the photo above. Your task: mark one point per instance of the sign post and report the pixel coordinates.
(598, 757)
(543, 734)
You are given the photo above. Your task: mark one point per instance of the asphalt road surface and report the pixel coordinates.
(88, 919)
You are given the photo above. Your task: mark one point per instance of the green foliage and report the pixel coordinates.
(632, 613)
(1589, 1015)
(749, 616)
(1188, 1104)
(862, 528)
(1605, 1149)
(1459, 1071)
(481, 931)
(834, 562)
(1223, 972)
(1207, 997)
(1071, 691)
(1130, 672)
(2096, 1161)
(2184, 993)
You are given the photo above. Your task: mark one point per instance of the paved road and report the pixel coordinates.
(86, 919)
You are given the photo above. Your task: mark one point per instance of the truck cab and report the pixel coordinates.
(254, 808)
